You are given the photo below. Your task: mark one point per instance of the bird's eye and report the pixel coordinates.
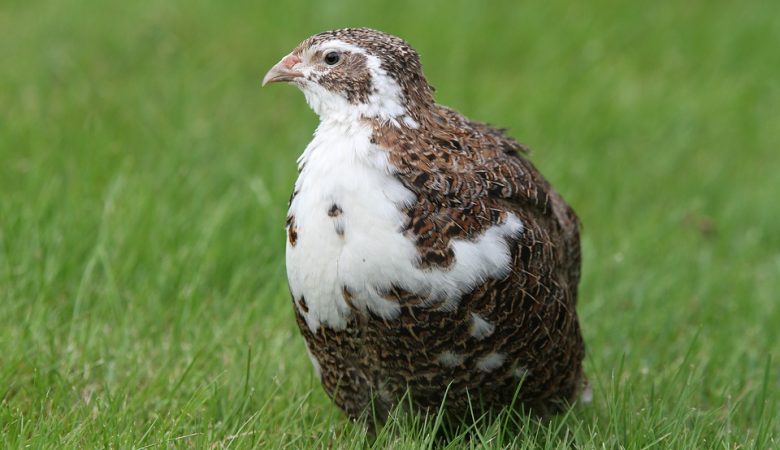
(332, 58)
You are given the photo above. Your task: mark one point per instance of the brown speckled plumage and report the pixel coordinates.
(467, 178)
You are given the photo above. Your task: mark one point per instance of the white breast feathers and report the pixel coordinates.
(348, 215)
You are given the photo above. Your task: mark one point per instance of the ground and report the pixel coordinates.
(144, 176)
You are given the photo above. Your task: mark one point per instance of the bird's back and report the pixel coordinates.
(469, 180)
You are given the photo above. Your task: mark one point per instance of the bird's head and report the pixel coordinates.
(357, 73)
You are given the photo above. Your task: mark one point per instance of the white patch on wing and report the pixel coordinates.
(450, 359)
(475, 261)
(491, 361)
(341, 166)
(410, 122)
(480, 328)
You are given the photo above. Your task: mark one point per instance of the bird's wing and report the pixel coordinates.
(468, 177)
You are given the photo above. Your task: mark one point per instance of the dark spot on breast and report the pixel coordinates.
(292, 231)
(334, 210)
(347, 294)
(302, 304)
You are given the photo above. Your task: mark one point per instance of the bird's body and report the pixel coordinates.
(424, 253)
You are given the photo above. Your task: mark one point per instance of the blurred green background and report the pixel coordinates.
(144, 177)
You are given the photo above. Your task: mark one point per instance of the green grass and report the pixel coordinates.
(143, 184)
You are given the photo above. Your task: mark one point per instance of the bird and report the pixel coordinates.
(427, 258)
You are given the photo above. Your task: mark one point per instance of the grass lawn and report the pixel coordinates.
(144, 178)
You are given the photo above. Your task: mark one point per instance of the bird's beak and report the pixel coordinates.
(283, 70)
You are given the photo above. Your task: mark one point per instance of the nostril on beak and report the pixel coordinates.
(290, 60)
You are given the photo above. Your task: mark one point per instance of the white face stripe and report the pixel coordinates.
(324, 48)
(336, 44)
(386, 102)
